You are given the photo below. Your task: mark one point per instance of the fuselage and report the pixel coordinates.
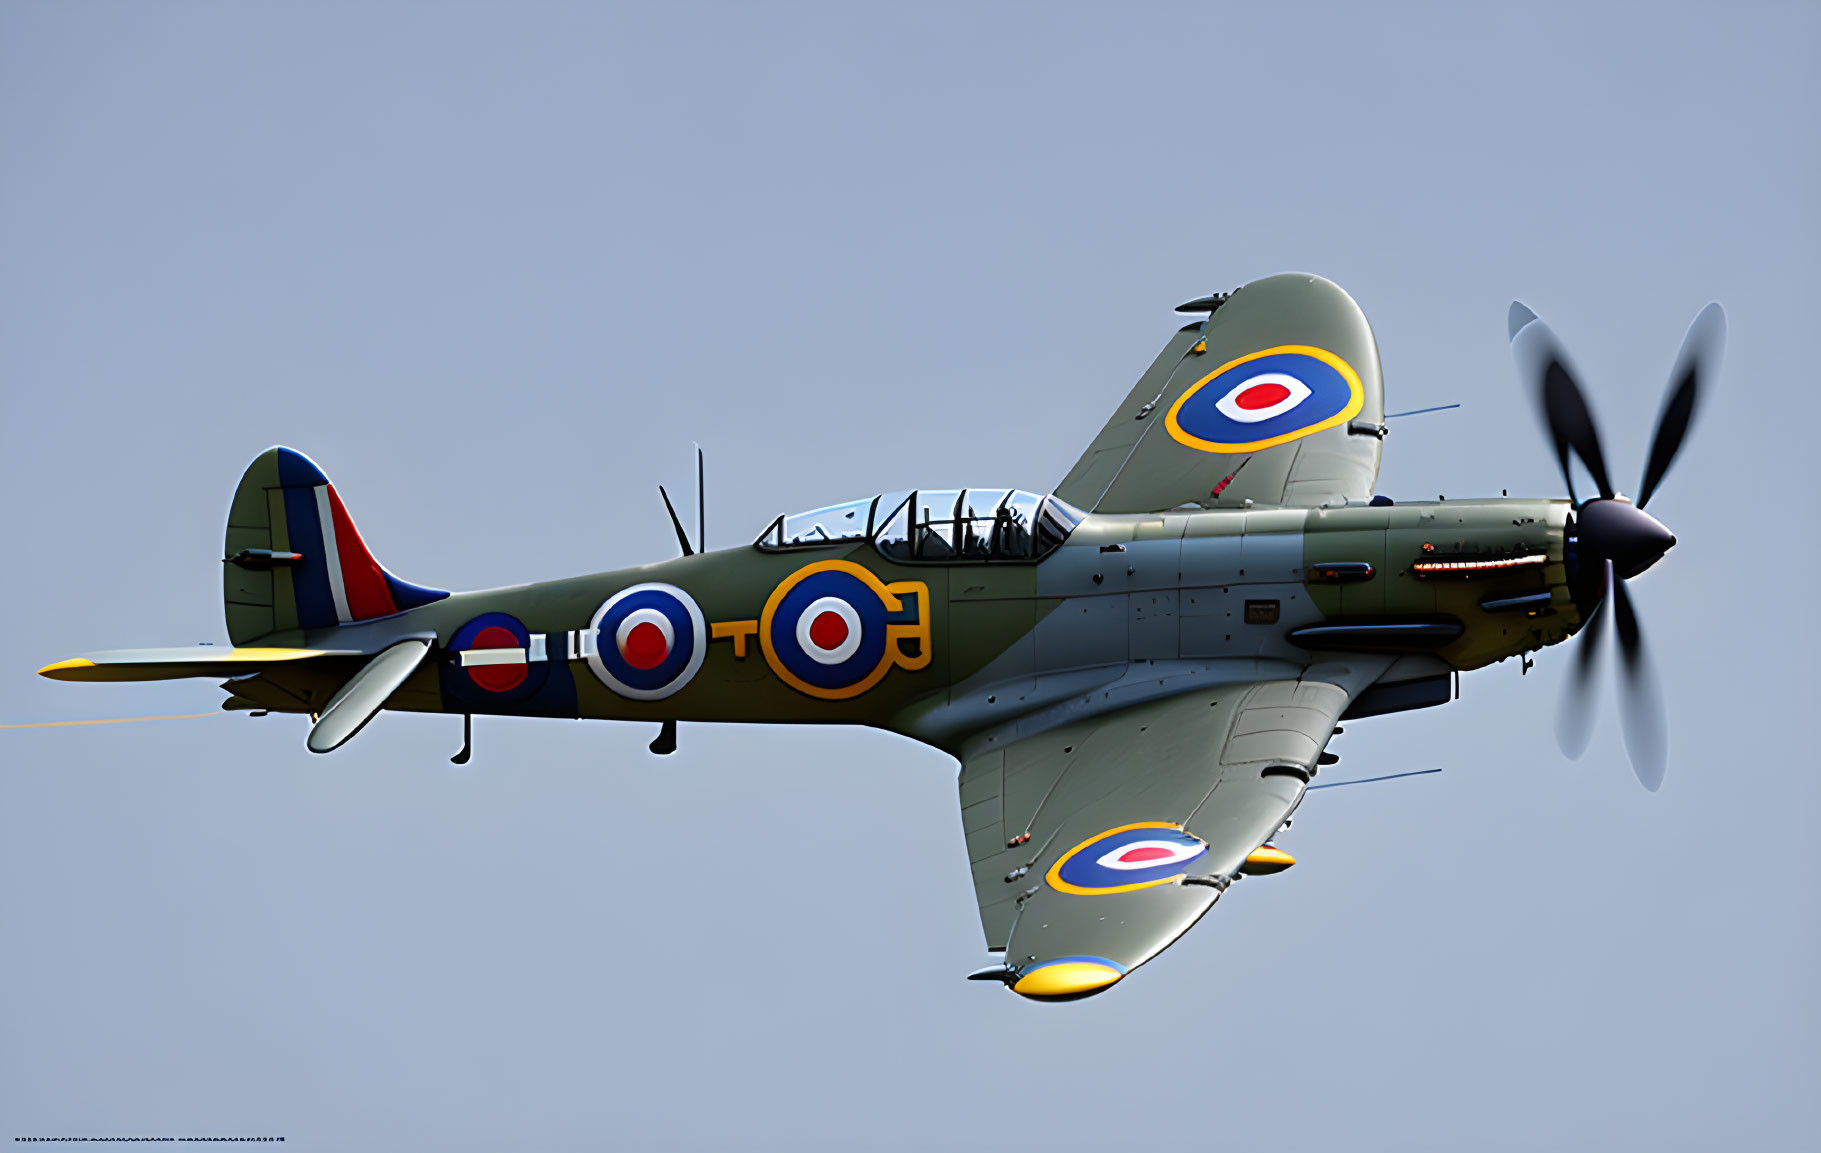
(1395, 598)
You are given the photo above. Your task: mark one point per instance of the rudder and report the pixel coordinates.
(294, 559)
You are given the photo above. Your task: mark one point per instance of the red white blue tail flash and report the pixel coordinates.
(338, 581)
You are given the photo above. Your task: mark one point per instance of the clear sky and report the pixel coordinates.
(494, 267)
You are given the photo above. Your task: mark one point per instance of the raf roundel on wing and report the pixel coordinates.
(1129, 857)
(1266, 398)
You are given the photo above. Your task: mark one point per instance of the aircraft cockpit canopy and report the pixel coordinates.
(936, 526)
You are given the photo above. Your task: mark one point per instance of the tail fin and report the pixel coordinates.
(295, 560)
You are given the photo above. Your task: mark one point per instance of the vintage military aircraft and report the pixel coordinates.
(1138, 672)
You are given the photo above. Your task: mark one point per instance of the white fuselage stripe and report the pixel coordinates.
(472, 657)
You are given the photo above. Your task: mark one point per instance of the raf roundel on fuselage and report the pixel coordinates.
(649, 640)
(495, 659)
(825, 630)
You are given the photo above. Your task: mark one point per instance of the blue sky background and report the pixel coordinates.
(496, 266)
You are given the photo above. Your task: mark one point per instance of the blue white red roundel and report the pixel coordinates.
(1129, 857)
(829, 631)
(493, 660)
(1259, 398)
(826, 628)
(649, 640)
(1147, 854)
(1267, 398)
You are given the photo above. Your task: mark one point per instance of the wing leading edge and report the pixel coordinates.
(1097, 844)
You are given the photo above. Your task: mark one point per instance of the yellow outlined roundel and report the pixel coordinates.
(1054, 876)
(890, 596)
(1347, 413)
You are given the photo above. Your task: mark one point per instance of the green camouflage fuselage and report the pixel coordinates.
(1131, 607)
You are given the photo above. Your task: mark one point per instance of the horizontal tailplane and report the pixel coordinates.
(178, 663)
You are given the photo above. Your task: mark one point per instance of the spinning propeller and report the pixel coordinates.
(1613, 539)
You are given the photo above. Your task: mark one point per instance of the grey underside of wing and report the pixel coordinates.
(1197, 760)
(1134, 465)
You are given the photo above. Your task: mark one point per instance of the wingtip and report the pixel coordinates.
(70, 670)
(1068, 978)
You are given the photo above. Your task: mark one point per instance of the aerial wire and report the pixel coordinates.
(1420, 411)
(1369, 780)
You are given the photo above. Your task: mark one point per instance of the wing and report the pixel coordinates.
(1097, 844)
(1276, 399)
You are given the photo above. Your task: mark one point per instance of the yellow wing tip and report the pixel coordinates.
(59, 670)
(1068, 978)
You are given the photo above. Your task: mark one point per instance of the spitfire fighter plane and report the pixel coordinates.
(1139, 672)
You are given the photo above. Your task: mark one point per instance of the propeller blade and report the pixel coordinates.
(1516, 318)
(1641, 712)
(1574, 716)
(1544, 368)
(1696, 364)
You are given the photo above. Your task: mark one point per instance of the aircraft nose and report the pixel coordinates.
(1619, 531)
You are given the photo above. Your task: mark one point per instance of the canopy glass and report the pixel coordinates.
(936, 526)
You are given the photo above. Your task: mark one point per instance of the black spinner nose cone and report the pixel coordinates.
(1619, 531)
